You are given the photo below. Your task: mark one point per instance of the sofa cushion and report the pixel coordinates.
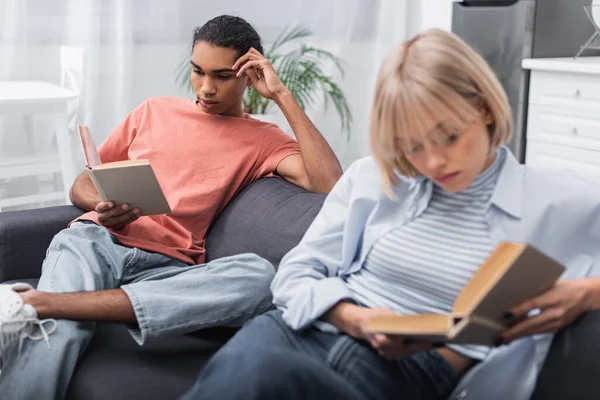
(115, 367)
(268, 218)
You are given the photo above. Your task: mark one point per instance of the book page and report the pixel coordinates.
(486, 277)
(122, 164)
(411, 324)
(90, 152)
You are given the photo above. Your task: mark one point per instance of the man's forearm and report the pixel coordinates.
(322, 166)
(83, 193)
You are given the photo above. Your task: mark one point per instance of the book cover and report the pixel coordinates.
(131, 181)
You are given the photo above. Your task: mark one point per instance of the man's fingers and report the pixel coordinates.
(118, 218)
(252, 75)
(114, 212)
(252, 54)
(244, 59)
(127, 221)
(104, 206)
(240, 61)
(249, 64)
(255, 52)
(120, 221)
(109, 208)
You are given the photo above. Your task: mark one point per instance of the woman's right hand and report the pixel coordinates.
(353, 320)
(116, 216)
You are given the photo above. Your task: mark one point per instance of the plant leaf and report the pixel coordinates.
(287, 35)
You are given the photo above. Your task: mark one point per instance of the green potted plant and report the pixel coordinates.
(301, 70)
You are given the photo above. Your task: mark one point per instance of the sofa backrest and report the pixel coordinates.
(267, 218)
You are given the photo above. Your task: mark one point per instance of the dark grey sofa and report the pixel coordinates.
(268, 218)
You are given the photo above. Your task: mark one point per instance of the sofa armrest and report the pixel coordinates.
(25, 236)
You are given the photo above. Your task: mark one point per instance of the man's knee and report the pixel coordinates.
(77, 260)
(257, 273)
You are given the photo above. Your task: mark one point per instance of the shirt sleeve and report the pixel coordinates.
(309, 279)
(276, 146)
(116, 145)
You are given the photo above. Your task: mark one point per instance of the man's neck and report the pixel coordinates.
(236, 111)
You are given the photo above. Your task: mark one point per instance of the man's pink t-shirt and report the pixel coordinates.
(201, 162)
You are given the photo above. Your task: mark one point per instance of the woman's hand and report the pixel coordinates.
(353, 320)
(261, 74)
(393, 348)
(559, 307)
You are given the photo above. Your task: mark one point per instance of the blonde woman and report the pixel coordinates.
(403, 232)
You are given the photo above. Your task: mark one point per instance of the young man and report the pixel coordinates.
(114, 265)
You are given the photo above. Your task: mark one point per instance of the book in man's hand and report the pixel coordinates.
(132, 181)
(512, 274)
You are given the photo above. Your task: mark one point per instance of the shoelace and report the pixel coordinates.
(7, 338)
(43, 335)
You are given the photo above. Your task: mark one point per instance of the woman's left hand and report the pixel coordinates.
(261, 73)
(559, 307)
(394, 348)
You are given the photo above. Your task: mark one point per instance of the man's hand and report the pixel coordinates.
(116, 216)
(559, 307)
(261, 74)
(353, 320)
(320, 168)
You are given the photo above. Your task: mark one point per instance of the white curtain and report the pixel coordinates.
(134, 46)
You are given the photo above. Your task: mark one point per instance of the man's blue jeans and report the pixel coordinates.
(169, 297)
(268, 360)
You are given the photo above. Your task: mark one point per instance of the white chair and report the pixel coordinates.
(72, 62)
(72, 70)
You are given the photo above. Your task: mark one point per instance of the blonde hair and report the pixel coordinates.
(435, 73)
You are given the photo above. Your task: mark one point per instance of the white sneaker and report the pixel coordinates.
(19, 320)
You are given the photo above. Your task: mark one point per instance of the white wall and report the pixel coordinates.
(424, 14)
(136, 45)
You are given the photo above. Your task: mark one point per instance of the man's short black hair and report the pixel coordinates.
(231, 32)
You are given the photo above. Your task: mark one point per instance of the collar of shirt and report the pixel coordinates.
(507, 196)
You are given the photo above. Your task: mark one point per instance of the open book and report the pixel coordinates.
(132, 181)
(512, 274)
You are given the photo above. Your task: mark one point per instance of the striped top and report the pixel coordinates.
(422, 266)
